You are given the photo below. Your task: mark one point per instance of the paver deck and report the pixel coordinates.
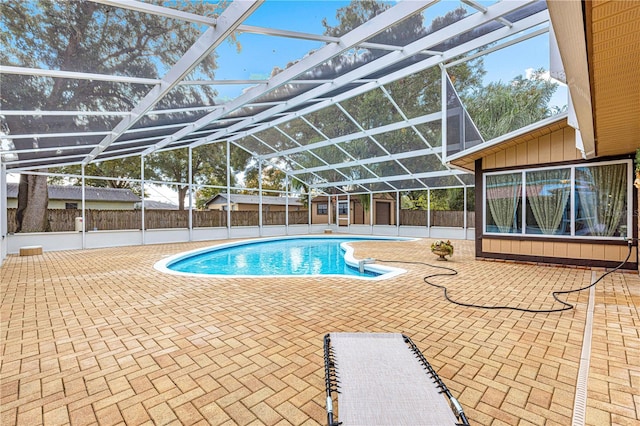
(100, 337)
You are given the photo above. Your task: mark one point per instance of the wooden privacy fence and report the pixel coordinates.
(108, 220)
(450, 219)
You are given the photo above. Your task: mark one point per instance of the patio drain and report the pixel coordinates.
(580, 402)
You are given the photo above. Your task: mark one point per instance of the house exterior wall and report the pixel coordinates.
(557, 147)
(584, 252)
(94, 205)
(245, 207)
(12, 203)
(321, 218)
(357, 213)
(221, 206)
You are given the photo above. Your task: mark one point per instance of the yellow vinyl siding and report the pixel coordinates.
(551, 249)
(557, 146)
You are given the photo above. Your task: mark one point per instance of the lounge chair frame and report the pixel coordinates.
(332, 384)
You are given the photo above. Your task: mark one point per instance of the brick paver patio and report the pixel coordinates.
(100, 337)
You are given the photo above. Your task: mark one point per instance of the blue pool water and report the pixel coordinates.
(289, 256)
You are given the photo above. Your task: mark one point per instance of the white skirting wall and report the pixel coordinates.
(55, 241)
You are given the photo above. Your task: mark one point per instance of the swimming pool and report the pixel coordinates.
(278, 257)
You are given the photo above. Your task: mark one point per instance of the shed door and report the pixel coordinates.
(383, 213)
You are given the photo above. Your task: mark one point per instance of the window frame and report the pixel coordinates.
(572, 235)
(325, 207)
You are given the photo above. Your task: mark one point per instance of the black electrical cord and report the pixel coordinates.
(452, 272)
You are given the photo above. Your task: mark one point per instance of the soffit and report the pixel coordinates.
(614, 59)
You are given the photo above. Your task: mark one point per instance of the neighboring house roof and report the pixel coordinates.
(355, 198)
(67, 192)
(157, 205)
(253, 199)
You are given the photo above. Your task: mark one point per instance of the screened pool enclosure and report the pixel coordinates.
(361, 108)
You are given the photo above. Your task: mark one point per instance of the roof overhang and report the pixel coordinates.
(613, 49)
(569, 28)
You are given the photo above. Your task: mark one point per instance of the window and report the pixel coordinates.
(578, 201)
(71, 206)
(343, 208)
(322, 209)
(547, 202)
(503, 200)
(601, 205)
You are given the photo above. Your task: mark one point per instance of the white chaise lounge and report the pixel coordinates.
(384, 379)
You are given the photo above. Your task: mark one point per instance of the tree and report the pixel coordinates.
(209, 167)
(273, 180)
(121, 170)
(29, 188)
(500, 108)
(85, 36)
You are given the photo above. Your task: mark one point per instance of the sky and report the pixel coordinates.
(260, 54)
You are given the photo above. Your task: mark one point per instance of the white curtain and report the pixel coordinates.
(547, 195)
(503, 197)
(602, 191)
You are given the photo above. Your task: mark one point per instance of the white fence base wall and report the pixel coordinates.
(162, 236)
(470, 234)
(298, 230)
(319, 229)
(357, 229)
(414, 231)
(55, 241)
(443, 233)
(104, 239)
(244, 232)
(208, 234)
(50, 241)
(274, 230)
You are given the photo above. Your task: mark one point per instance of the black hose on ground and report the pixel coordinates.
(555, 294)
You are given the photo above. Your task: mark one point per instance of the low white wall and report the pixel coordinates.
(319, 229)
(387, 230)
(444, 233)
(414, 231)
(299, 230)
(162, 236)
(471, 234)
(4, 243)
(102, 239)
(206, 234)
(50, 241)
(358, 229)
(411, 231)
(54, 241)
(244, 232)
(274, 230)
